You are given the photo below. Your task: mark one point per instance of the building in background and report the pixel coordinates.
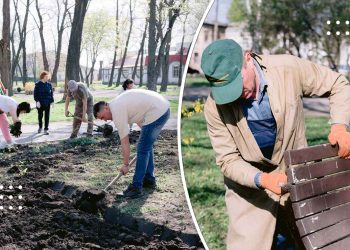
(129, 65)
(218, 26)
(214, 27)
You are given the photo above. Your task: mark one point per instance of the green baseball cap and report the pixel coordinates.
(222, 63)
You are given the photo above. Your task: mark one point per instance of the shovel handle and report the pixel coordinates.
(71, 115)
(118, 177)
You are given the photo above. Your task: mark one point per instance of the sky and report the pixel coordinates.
(48, 9)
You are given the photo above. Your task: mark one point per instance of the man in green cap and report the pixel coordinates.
(254, 114)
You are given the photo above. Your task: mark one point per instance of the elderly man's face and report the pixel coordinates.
(248, 77)
(104, 114)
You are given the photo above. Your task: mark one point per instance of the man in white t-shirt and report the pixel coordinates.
(9, 105)
(150, 111)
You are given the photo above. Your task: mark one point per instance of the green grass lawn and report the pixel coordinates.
(204, 179)
(57, 113)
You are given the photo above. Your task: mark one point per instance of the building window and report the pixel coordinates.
(176, 71)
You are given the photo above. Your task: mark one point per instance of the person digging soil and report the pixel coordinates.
(83, 105)
(124, 110)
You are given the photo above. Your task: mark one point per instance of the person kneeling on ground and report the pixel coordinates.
(150, 111)
(9, 105)
(84, 102)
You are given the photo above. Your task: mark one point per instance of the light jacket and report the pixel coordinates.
(252, 212)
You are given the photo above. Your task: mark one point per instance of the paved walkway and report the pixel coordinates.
(62, 130)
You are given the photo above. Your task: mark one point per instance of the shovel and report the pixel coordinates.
(106, 129)
(90, 199)
(118, 177)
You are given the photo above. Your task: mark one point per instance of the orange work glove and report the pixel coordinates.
(339, 135)
(273, 181)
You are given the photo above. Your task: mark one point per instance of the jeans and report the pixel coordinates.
(144, 163)
(41, 111)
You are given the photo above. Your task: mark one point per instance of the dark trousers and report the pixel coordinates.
(41, 111)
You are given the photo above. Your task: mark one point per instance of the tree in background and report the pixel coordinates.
(242, 11)
(5, 52)
(40, 25)
(22, 31)
(96, 37)
(152, 46)
(116, 42)
(61, 25)
(182, 46)
(290, 25)
(131, 21)
(73, 56)
(140, 54)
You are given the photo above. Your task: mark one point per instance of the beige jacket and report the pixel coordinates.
(252, 212)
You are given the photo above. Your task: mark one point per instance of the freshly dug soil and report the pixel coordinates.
(51, 214)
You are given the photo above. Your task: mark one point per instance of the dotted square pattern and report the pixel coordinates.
(6, 200)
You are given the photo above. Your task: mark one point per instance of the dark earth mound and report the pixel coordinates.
(48, 214)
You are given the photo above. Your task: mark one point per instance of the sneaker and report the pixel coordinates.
(39, 130)
(46, 131)
(149, 184)
(131, 192)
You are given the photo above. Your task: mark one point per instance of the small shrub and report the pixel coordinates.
(83, 141)
(19, 90)
(29, 88)
(44, 150)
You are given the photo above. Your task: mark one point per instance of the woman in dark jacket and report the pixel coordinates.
(43, 95)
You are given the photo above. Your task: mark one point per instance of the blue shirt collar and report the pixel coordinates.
(262, 88)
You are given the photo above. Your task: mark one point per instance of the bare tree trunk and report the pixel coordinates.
(42, 39)
(73, 56)
(182, 50)
(141, 64)
(152, 46)
(115, 47)
(81, 73)
(5, 52)
(21, 47)
(136, 64)
(86, 70)
(126, 45)
(34, 66)
(140, 50)
(173, 14)
(113, 68)
(24, 48)
(24, 64)
(92, 71)
(165, 67)
(60, 29)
